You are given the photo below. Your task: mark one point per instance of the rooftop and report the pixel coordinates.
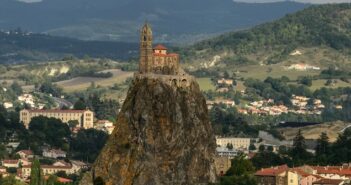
(274, 171)
(160, 47)
(55, 111)
(328, 181)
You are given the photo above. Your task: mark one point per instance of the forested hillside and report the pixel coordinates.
(324, 28)
(17, 46)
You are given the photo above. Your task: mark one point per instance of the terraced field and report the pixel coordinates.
(82, 83)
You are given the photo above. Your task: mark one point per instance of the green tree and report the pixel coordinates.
(88, 144)
(16, 88)
(305, 80)
(240, 166)
(47, 130)
(36, 175)
(299, 152)
(240, 172)
(322, 147)
(80, 105)
(261, 148)
(11, 180)
(230, 146)
(252, 147)
(73, 123)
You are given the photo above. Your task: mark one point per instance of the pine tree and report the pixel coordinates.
(322, 147)
(299, 152)
(36, 175)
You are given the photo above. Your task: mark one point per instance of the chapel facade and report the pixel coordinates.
(156, 60)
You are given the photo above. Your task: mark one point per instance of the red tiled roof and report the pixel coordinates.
(49, 167)
(301, 172)
(160, 47)
(272, 171)
(27, 152)
(60, 179)
(63, 180)
(56, 111)
(165, 55)
(328, 181)
(333, 170)
(9, 161)
(173, 54)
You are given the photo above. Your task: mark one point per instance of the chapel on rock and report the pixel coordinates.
(157, 63)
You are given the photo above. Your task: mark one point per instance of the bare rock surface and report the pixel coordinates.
(163, 137)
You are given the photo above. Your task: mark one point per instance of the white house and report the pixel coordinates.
(53, 153)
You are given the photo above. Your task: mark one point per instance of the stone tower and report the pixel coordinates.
(146, 51)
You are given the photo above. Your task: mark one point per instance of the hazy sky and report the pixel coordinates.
(303, 1)
(254, 1)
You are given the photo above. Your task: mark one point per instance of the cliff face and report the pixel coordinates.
(163, 136)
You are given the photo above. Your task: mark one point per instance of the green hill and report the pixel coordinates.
(318, 35)
(17, 46)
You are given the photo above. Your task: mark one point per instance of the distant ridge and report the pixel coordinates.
(118, 20)
(19, 47)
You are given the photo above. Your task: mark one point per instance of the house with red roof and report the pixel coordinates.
(272, 176)
(329, 182)
(333, 172)
(61, 180)
(54, 153)
(25, 154)
(10, 163)
(306, 178)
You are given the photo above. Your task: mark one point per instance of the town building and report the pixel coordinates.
(226, 102)
(329, 182)
(306, 178)
(104, 125)
(25, 154)
(8, 105)
(78, 166)
(222, 164)
(47, 170)
(304, 175)
(9, 163)
(85, 118)
(224, 81)
(272, 176)
(238, 143)
(226, 152)
(53, 153)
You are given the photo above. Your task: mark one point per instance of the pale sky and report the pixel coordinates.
(302, 1)
(253, 1)
(30, 1)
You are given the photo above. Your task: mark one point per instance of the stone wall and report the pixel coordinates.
(182, 81)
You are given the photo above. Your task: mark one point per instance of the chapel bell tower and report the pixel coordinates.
(146, 51)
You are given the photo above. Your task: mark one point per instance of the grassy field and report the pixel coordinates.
(317, 84)
(313, 132)
(275, 71)
(206, 84)
(82, 83)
